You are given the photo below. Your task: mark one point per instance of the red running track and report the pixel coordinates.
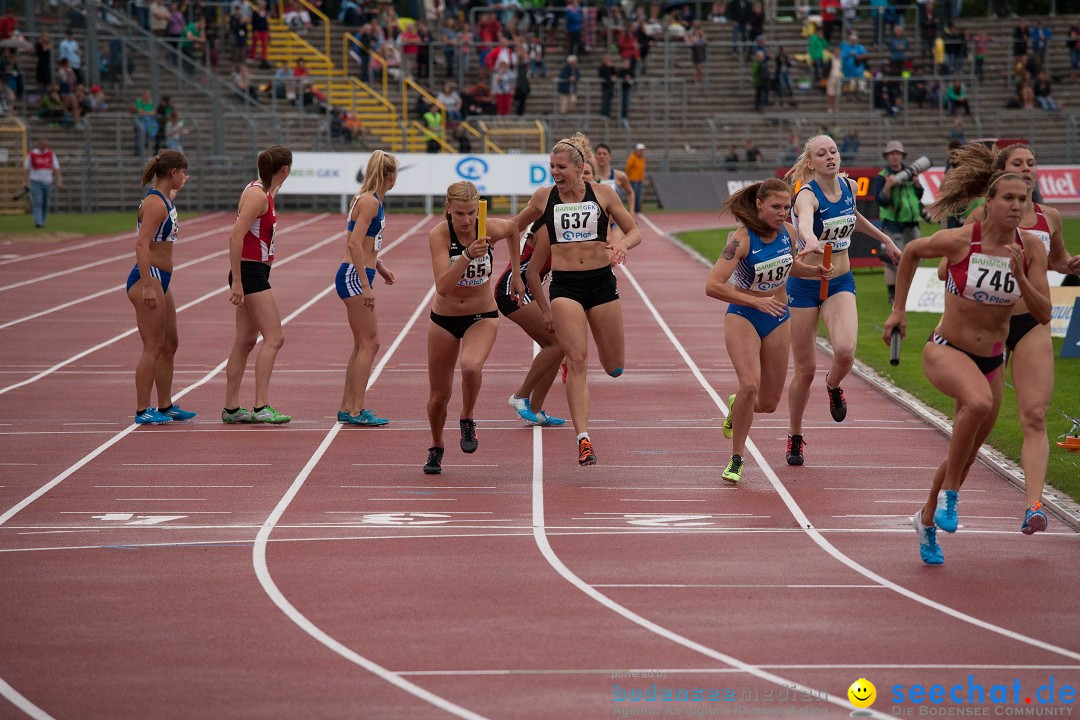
(203, 570)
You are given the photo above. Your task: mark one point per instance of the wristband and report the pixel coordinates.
(466, 253)
(378, 263)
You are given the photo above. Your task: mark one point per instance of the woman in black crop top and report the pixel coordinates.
(991, 265)
(464, 319)
(583, 290)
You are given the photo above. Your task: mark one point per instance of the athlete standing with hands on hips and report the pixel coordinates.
(824, 214)
(759, 257)
(991, 266)
(464, 318)
(583, 292)
(355, 284)
(251, 253)
(148, 289)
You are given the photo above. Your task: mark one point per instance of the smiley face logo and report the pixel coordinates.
(862, 693)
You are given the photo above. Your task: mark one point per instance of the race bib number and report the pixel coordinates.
(837, 232)
(771, 274)
(378, 235)
(273, 236)
(990, 280)
(577, 222)
(478, 272)
(175, 225)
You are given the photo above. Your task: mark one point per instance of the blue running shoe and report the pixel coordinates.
(524, 410)
(177, 413)
(545, 420)
(366, 419)
(946, 518)
(1035, 519)
(928, 546)
(342, 417)
(151, 416)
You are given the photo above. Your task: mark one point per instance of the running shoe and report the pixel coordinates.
(240, 415)
(342, 416)
(1035, 519)
(794, 449)
(270, 416)
(733, 472)
(434, 461)
(728, 426)
(585, 452)
(151, 416)
(562, 371)
(524, 410)
(929, 549)
(545, 420)
(837, 403)
(945, 517)
(177, 413)
(366, 418)
(469, 443)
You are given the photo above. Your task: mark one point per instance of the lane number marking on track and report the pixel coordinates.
(132, 519)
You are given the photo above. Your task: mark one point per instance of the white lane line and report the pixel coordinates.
(745, 585)
(424, 487)
(409, 465)
(422, 499)
(262, 570)
(198, 465)
(22, 703)
(161, 499)
(165, 487)
(659, 501)
(92, 243)
(890, 489)
(132, 331)
(541, 539)
(117, 288)
(804, 522)
(675, 487)
(103, 261)
(721, 671)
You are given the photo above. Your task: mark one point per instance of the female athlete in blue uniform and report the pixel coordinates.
(464, 318)
(991, 266)
(356, 284)
(148, 289)
(824, 213)
(759, 257)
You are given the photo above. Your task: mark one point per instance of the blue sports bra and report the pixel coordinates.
(378, 223)
(168, 229)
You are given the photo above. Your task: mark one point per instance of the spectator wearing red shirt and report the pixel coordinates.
(629, 48)
(489, 31)
(410, 49)
(830, 9)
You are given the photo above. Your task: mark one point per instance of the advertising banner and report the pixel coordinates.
(1057, 183)
(318, 173)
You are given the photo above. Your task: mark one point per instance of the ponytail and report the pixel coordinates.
(803, 170)
(379, 165)
(270, 161)
(743, 204)
(162, 165)
(971, 168)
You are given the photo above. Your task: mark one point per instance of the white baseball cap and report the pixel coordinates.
(639, 146)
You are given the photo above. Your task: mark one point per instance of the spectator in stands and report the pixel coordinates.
(1020, 39)
(96, 100)
(242, 82)
(296, 17)
(1074, 49)
(957, 132)
(759, 74)
(698, 46)
(488, 33)
(537, 66)
(66, 81)
(644, 43)
(281, 88)
(174, 31)
(502, 84)
(575, 21)
(9, 25)
(833, 83)
(238, 35)
(193, 44)
(423, 50)
(753, 155)
(731, 160)
(260, 33)
(635, 173)
(479, 100)
(630, 48)
(174, 130)
(1040, 40)
(159, 18)
(853, 59)
(70, 51)
(737, 12)
(522, 87)
(755, 20)
(161, 113)
(899, 204)
(41, 171)
(433, 128)
(956, 98)
(606, 72)
(350, 14)
(899, 47)
(449, 45)
(928, 28)
(451, 101)
(792, 149)
(146, 125)
(955, 47)
(1042, 92)
(43, 70)
(626, 81)
(51, 106)
(567, 87)
(785, 94)
(830, 22)
(941, 67)
(11, 76)
(410, 49)
(816, 45)
(849, 147)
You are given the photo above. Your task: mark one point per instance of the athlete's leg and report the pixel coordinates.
(442, 355)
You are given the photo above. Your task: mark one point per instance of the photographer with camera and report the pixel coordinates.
(40, 171)
(899, 196)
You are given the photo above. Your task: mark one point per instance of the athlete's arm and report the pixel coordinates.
(631, 235)
(1034, 287)
(802, 269)
(541, 253)
(624, 183)
(805, 207)
(151, 215)
(508, 231)
(533, 210)
(363, 212)
(1059, 259)
(253, 204)
(950, 244)
(737, 248)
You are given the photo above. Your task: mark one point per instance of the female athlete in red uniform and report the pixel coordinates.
(251, 253)
(991, 266)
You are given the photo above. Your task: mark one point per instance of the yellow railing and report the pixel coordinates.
(347, 40)
(315, 12)
(522, 134)
(488, 145)
(13, 144)
(429, 135)
(409, 83)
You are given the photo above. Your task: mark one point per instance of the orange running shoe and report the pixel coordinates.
(585, 452)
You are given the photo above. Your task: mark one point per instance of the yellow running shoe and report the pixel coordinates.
(728, 425)
(733, 472)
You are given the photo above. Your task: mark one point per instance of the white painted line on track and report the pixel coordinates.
(804, 522)
(92, 243)
(721, 671)
(103, 261)
(173, 486)
(117, 288)
(132, 331)
(22, 703)
(198, 465)
(541, 539)
(262, 570)
(744, 585)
